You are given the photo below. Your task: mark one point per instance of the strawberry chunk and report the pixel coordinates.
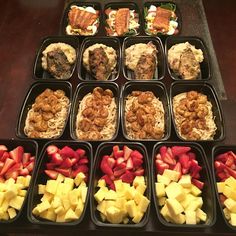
(24, 172)
(106, 169)
(51, 149)
(67, 163)
(67, 152)
(7, 165)
(119, 160)
(12, 174)
(119, 169)
(81, 168)
(178, 168)
(5, 156)
(222, 157)
(17, 154)
(136, 154)
(3, 147)
(128, 177)
(197, 183)
(129, 164)
(111, 162)
(139, 172)
(184, 160)
(192, 156)
(127, 152)
(163, 150)
(177, 150)
(107, 179)
(230, 161)
(30, 166)
(83, 161)
(26, 157)
(137, 162)
(51, 173)
(65, 172)
(161, 166)
(57, 158)
(117, 152)
(81, 152)
(219, 166)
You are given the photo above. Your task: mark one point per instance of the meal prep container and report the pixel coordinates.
(220, 149)
(106, 149)
(208, 90)
(205, 67)
(113, 42)
(43, 75)
(160, 69)
(83, 89)
(64, 20)
(208, 196)
(36, 89)
(41, 178)
(157, 4)
(31, 147)
(118, 5)
(159, 91)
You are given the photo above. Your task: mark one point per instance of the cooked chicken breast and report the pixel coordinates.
(162, 19)
(122, 21)
(146, 67)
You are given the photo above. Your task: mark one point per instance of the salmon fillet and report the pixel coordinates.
(162, 19)
(81, 19)
(122, 21)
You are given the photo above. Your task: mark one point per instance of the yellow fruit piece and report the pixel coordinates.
(193, 205)
(195, 191)
(201, 215)
(48, 215)
(172, 175)
(162, 201)
(103, 217)
(230, 204)
(3, 187)
(56, 202)
(120, 203)
(102, 207)
(114, 215)
(43, 206)
(11, 193)
(41, 189)
(1, 198)
(79, 178)
(47, 197)
(101, 183)
(233, 219)
(20, 180)
(5, 205)
(22, 192)
(100, 194)
(4, 215)
(175, 190)
(226, 213)
(143, 205)
(165, 213)
(179, 219)
(11, 212)
(129, 193)
(60, 178)
(73, 196)
(35, 211)
(138, 217)
(70, 215)
(69, 182)
(131, 208)
(138, 197)
(16, 202)
(163, 179)
(66, 203)
(231, 182)
(84, 191)
(191, 217)
(188, 199)
(185, 181)
(60, 210)
(27, 180)
(125, 220)
(160, 190)
(141, 188)
(229, 192)
(138, 180)
(61, 218)
(51, 186)
(174, 206)
(220, 187)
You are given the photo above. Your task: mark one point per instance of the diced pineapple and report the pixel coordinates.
(35, 211)
(165, 213)
(226, 213)
(47, 197)
(179, 219)
(61, 218)
(3, 187)
(9, 182)
(174, 206)
(66, 203)
(22, 192)
(20, 180)
(73, 196)
(56, 202)
(191, 217)
(230, 204)
(138, 180)
(137, 197)
(51, 186)
(84, 191)
(43, 206)
(233, 219)
(4, 215)
(79, 178)
(175, 190)
(162, 201)
(195, 191)
(60, 178)
(160, 190)
(188, 199)
(185, 181)
(163, 179)
(27, 180)
(11, 212)
(229, 192)
(143, 205)
(48, 215)
(141, 188)
(5, 205)
(201, 215)
(70, 215)
(79, 208)
(101, 183)
(100, 194)
(69, 183)
(193, 205)
(1, 198)
(103, 217)
(114, 215)
(11, 193)
(102, 207)
(118, 185)
(129, 193)
(41, 188)
(138, 217)
(220, 187)
(125, 220)
(131, 208)
(171, 174)
(120, 203)
(231, 182)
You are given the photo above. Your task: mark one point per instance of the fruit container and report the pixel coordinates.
(36, 89)
(205, 66)
(205, 88)
(41, 178)
(160, 69)
(44, 76)
(83, 89)
(64, 20)
(106, 149)
(217, 150)
(113, 42)
(29, 146)
(157, 4)
(208, 196)
(159, 91)
(118, 5)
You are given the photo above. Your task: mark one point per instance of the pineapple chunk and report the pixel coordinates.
(125, 220)
(179, 219)
(27, 180)
(138, 217)
(201, 215)
(114, 215)
(101, 183)
(163, 179)
(69, 183)
(48, 215)
(51, 186)
(188, 199)
(41, 189)
(185, 181)
(175, 190)
(11, 212)
(100, 194)
(11, 193)
(230, 204)
(143, 205)
(141, 188)
(191, 217)
(1, 198)
(5, 205)
(195, 191)
(229, 192)
(56, 202)
(43, 206)
(84, 191)
(138, 180)
(165, 213)
(16, 202)
(171, 174)
(162, 201)
(231, 182)
(60, 210)
(120, 203)
(103, 217)
(60, 178)
(118, 185)
(220, 187)
(193, 205)
(66, 203)
(73, 196)
(20, 180)
(47, 197)
(233, 219)
(226, 213)
(61, 218)
(22, 193)
(138, 197)
(79, 178)
(4, 215)
(131, 208)
(160, 190)
(70, 215)
(79, 209)
(174, 206)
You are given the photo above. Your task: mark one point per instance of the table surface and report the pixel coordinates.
(23, 24)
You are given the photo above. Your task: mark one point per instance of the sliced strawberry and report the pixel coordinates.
(168, 159)
(7, 165)
(82, 168)
(65, 172)
(192, 156)
(129, 164)
(230, 161)
(170, 152)
(161, 166)
(106, 169)
(12, 174)
(184, 160)
(193, 163)
(81, 152)
(83, 161)
(17, 154)
(112, 186)
(197, 176)
(117, 152)
(51, 173)
(233, 167)
(57, 158)
(127, 152)
(26, 157)
(137, 162)
(197, 183)
(185, 171)
(195, 170)
(5, 156)
(3, 147)
(163, 150)
(15, 167)
(230, 171)
(67, 152)
(222, 175)
(73, 161)
(232, 154)
(119, 172)
(222, 157)
(1, 165)
(52, 149)
(178, 150)
(219, 166)
(50, 166)
(178, 168)
(107, 179)
(120, 160)
(32, 158)
(158, 156)
(128, 177)
(30, 166)
(136, 154)
(24, 172)
(111, 162)
(139, 172)
(67, 163)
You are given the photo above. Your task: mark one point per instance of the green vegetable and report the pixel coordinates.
(145, 12)
(131, 32)
(168, 6)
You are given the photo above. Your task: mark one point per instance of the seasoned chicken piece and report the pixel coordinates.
(146, 67)
(189, 67)
(81, 19)
(162, 19)
(58, 65)
(122, 21)
(99, 64)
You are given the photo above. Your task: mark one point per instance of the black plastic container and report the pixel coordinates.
(41, 178)
(106, 149)
(208, 196)
(208, 90)
(31, 147)
(113, 42)
(64, 20)
(160, 70)
(159, 91)
(118, 5)
(217, 150)
(82, 90)
(157, 4)
(43, 75)
(35, 90)
(205, 68)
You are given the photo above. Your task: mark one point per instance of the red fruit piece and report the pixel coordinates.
(117, 152)
(230, 171)
(230, 161)
(107, 179)
(81, 152)
(26, 157)
(15, 167)
(120, 169)
(119, 160)
(127, 152)
(163, 150)
(81, 168)
(3, 149)
(57, 158)
(67, 152)
(128, 177)
(12, 174)
(139, 172)
(136, 154)
(1, 165)
(222, 199)
(5, 156)
(112, 186)
(232, 154)
(184, 160)
(158, 156)
(51, 173)
(17, 154)
(24, 172)
(30, 166)
(7, 165)
(161, 166)
(178, 168)
(195, 170)
(177, 150)
(219, 166)
(111, 162)
(50, 166)
(65, 172)
(106, 169)
(137, 162)
(168, 159)
(67, 163)
(222, 157)
(83, 161)
(52, 149)
(129, 164)
(197, 183)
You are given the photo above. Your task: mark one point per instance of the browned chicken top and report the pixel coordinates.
(81, 19)
(162, 19)
(122, 21)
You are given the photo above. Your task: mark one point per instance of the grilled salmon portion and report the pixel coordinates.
(162, 19)
(81, 19)
(122, 21)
